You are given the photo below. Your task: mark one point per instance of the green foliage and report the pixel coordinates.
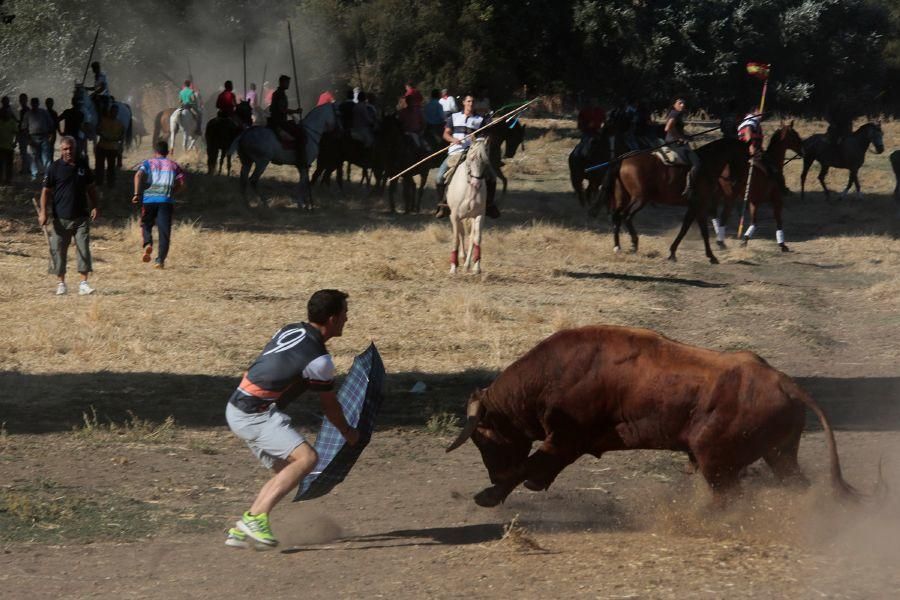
(821, 50)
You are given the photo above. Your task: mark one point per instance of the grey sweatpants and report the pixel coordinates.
(61, 234)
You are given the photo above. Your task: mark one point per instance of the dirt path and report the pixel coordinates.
(118, 477)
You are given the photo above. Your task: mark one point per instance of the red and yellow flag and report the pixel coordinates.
(758, 70)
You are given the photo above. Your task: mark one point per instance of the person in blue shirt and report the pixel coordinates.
(156, 182)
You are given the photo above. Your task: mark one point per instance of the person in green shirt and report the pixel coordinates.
(189, 102)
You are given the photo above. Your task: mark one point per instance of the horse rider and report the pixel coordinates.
(678, 141)
(100, 90)
(226, 103)
(728, 124)
(252, 99)
(840, 125)
(363, 120)
(459, 126)
(190, 103)
(345, 110)
(412, 96)
(590, 123)
(750, 132)
(280, 119)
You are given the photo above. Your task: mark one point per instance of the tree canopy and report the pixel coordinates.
(821, 51)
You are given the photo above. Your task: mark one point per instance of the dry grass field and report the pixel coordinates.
(118, 474)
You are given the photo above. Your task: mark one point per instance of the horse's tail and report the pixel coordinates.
(157, 126)
(606, 195)
(129, 131)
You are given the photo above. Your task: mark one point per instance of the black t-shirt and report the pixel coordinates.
(74, 119)
(69, 183)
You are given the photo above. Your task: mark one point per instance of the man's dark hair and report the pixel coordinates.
(229, 85)
(361, 97)
(161, 147)
(35, 102)
(436, 94)
(325, 304)
(95, 65)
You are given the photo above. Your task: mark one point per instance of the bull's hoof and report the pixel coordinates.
(534, 486)
(784, 248)
(490, 497)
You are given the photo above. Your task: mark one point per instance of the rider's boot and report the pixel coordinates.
(491, 209)
(441, 210)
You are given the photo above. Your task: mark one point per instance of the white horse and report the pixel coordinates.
(467, 199)
(185, 121)
(258, 146)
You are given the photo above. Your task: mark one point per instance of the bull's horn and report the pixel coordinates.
(473, 416)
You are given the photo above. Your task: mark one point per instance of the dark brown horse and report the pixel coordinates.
(850, 155)
(765, 187)
(512, 136)
(636, 180)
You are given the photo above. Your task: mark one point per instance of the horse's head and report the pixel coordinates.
(515, 137)
(788, 137)
(875, 135)
(477, 159)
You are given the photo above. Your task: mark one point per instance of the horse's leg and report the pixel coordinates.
(702, 219)
(779, 228)
(304, 199)
(475, 246)
(689, 217)
(617, 227)
(227, 163)
(807, 163)
(423, 179)
(854, 175)
(752, 229)
(822, 173)
(454, 243)
(502, 178)
(245, 172)
(629, 224)
(259, 168)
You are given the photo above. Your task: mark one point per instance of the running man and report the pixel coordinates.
(164, 178)
(294, 360)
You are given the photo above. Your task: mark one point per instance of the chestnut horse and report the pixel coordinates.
(636, 180)
(764, 186)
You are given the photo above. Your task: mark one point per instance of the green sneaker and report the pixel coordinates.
(257, 527)
(237, 538)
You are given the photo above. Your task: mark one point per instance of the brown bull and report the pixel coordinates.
(603, 388)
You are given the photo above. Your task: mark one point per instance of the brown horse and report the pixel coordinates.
(765, 187)
(636, 180)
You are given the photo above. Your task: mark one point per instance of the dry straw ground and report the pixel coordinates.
(131, 503)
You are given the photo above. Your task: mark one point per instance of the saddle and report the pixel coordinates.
(670, 157)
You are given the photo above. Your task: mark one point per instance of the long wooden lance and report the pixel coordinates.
(508, 116)
(90, 56)
(762, 104)
(294, 64)
(245, 69)
(631, 153)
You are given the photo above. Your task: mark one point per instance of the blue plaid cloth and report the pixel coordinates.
(360, 397)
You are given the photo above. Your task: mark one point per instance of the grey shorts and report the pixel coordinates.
(268, 434)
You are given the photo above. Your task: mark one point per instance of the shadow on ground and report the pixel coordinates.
(57, 402)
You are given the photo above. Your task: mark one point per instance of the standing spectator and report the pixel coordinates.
(74, 120)
(434, 116)
(70, 182)
(110, 137)
(48, 104)
(9, 129)
(22, 137)
(448, 103)
(40, 126)
(164, 178)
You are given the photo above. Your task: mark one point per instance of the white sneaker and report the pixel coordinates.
(84, 289)
(61, 288)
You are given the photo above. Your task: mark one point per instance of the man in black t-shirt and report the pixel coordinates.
(70, 184)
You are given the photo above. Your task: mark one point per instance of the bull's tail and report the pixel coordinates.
(842, 489)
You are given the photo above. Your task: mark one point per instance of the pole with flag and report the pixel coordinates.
(760, 71)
